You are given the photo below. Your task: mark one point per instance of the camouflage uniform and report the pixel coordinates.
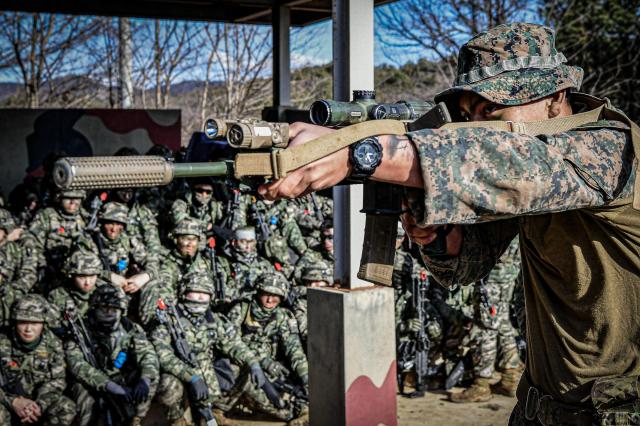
(209, 336)
(34, 370)
(310, 214)
(143, 225)
(568, 196)
(69, 297)
(209, 214)
(16, 272)
(269, 333)
(316, 272)
(124, 356)
(51, 235)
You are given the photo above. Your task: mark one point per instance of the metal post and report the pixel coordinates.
(281, 56)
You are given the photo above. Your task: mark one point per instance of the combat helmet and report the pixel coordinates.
(72, 193)
(115, 212)
(188, 226)
(30, 307)
(317, 272)
(274, 284)
(512, 64)
(108, 295)
(83, 262)
(198, 281)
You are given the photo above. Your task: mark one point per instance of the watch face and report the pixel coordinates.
(366, 154)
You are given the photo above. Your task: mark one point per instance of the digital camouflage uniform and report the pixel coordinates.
(68, 297)
(143, 225)
(35, 371)
(51, 235)
(317, 272)
(568, 196)
(138, 362)
(16, 272)
(208, 214)
(269, 333)
(311, 211)
(209, 336)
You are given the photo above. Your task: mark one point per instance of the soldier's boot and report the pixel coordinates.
(495, 377)
(509, 382)
(136, 421)
(302, 419)
(480, 391)
(223, 420)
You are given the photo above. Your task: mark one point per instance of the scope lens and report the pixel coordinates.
(379, 112)
(210, 129)
(320, 112)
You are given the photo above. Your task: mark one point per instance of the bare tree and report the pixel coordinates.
(41, 47)
(436, 29)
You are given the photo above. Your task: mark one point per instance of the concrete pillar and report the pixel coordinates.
(351, 346)
(281, 18)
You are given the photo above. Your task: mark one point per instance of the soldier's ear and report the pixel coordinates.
(558, 102)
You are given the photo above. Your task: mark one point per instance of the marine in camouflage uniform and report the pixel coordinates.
(323, 253)
(16, 272)
(127, 366)
(312, 210)
(209, 336)
(566, 194)
(493, 333)
(130, 265)
(186, 257)
(270, 329)
(245, 263)
(52, 233)
(199, 204)
(33, 364)
(82, 269)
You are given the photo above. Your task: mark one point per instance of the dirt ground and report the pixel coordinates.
(436, 409)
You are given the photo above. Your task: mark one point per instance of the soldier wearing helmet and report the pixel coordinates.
(317, 274)
(51, 235)
(210, 337)
(188, 256)
(127, 262)
(16, 272)
(127, 366)
(552, 166)
(33, 365)
(198, 203)
(82, 269)
(271, 331)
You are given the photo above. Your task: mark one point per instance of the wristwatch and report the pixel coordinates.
(365, 156)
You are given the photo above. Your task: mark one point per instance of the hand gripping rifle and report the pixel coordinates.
(115, 409)
(218, 277)
(168, 315)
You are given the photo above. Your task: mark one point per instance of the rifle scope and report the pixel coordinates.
(326, 112)
(401, 110)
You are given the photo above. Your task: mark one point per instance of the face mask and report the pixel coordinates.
(107, 320)
(195, 308)
(202, 198)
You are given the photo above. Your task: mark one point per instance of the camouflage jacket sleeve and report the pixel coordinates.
(291, 344)
(50, 390)
(179, 211)
(476, 175)
(5, 356)
(291, 231)
(230, 343)
(20, 273)
(81, 370)
(149, 225)
(168, 360)
(37, 234)
(145, 355)
(145, 258)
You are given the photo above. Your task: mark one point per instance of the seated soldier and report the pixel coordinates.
(16, 273)
(33, 366)
(199, 203)
(270, 329)
(317, 275)
(113, 363)
(82, 268)
(188, 364)
(246, 264)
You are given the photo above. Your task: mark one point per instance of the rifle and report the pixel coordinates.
(253, 152)
(218, 281)
(316, 208)
(183, 350)
(264, 233)
(116, 410)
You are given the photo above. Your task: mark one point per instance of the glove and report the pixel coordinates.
(414, 325)
(257, 375)
(115, 389)
(275, 369)
(198, 388)
(141, 391)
